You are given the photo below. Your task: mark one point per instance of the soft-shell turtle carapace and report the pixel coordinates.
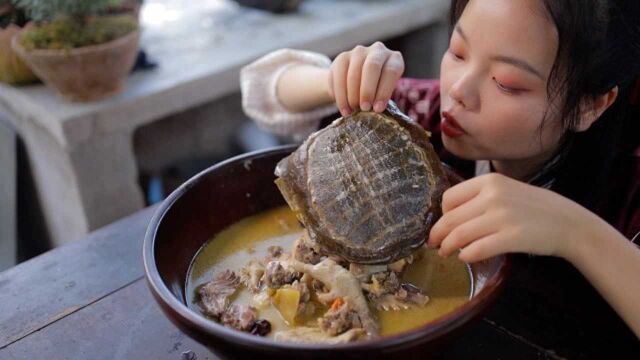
(367, 188)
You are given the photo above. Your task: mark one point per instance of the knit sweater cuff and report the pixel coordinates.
(260, 102)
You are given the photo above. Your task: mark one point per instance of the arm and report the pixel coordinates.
(304, 87)
(362, 78)
(612, 264)
(288, 91)
(259, 83)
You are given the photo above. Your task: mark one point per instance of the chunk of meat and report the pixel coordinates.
(315, 335)
(276, 276)
(412, 294)
(251, 275)
(382, 283)
(306, 251)
(407, 296)
(239, 317)
(216, 293)
(274, 252)
(341, 283)
(339, 319)
(318, 286)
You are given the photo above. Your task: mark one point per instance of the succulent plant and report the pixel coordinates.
(47, 10)
(67, 24)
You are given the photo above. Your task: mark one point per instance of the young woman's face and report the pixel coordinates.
(494, 83)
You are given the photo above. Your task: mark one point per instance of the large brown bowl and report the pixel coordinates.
(240, 187)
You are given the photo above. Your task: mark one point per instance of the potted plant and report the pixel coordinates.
(12, 69)
(76, 48)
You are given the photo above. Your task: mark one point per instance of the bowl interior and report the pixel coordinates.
(231, 191)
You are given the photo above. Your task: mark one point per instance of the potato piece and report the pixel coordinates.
(286, 301)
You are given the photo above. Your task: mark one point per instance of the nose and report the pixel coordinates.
(464, 91)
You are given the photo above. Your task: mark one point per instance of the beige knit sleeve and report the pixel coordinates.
(260, 102)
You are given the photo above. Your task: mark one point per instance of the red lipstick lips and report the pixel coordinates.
(450, 126)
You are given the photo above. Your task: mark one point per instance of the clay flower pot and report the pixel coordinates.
(87, 73)
(12, 69)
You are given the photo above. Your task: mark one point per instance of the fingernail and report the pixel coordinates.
(365, 106)
(345, 112)
(379, 106)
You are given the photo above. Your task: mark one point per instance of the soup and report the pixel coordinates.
(446, 283)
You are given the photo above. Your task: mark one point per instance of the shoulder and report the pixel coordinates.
(420, 100)
(633, 222)
(621, 207)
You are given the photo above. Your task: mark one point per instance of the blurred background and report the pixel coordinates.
(74, 160)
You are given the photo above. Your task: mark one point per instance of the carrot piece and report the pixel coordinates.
(337, 303)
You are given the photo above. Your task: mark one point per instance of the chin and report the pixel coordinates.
(461, 149)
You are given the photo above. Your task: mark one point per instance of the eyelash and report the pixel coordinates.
(505, 89)
(455, 56)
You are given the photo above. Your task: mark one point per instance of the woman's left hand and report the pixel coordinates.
(493, 214)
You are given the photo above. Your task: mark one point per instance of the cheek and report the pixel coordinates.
(512, 118)
(516, 125)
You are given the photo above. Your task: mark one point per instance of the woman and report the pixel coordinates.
(539, 95)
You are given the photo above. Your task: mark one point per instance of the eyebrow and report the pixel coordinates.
(518, 63)
(506, 59)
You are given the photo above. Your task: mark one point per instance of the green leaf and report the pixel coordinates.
(47, 10)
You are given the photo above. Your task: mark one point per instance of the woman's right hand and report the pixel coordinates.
(365, 77)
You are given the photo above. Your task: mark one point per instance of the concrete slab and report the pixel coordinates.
(8, 169)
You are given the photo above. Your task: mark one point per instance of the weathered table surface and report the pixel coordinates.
(89, 300)
(82, 155)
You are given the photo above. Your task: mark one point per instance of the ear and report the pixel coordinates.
(589, 115)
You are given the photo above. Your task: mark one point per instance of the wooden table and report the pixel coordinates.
(89, 300)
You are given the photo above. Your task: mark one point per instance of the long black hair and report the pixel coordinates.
(599, 48)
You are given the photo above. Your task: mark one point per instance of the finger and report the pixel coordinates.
(391, 72)
(486, 247)
(454, 218)
(468, 232)
(371, 72)
(354, 74)
(461, 193)
(339, 70)
(330, 80)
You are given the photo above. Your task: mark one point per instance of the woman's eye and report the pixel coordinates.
(455, 55)
(506, 89)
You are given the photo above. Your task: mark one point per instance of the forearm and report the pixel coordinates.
(612, 264)
(304, 87)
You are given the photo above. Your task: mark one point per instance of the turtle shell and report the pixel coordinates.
(367, 188)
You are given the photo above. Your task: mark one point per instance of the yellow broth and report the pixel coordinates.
(447, 282)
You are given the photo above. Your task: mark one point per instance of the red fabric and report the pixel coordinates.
(420, 99)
